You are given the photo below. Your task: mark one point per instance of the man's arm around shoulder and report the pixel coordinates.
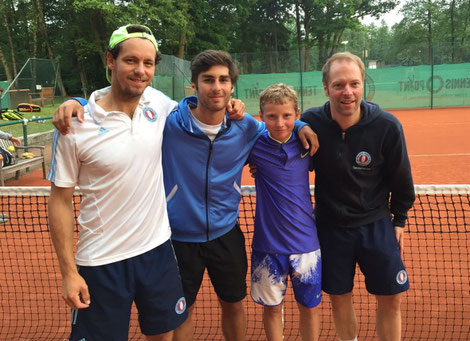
(62, 119)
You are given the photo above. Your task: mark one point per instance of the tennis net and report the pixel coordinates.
(437, 306)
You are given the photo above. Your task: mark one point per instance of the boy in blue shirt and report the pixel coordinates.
(285, 238)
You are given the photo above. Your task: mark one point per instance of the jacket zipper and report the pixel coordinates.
(207, 189)
(207, 174)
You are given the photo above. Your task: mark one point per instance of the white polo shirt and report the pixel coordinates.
(117, 163)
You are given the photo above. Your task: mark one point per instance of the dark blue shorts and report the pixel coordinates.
(225, 261)
(151, 280)
(373, 246)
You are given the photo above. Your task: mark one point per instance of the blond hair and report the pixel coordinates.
(341, 56)
(278, 94)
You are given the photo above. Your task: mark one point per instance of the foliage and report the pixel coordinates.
(259, 33)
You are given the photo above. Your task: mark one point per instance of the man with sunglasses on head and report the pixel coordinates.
(124, 253)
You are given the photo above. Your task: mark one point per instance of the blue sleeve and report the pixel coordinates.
(298, 125)
(253, 127)
(80, 100)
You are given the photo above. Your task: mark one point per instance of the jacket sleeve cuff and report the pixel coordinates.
(399, 221)
(299, 125)
(80, 100)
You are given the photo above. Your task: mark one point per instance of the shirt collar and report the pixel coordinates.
(280, 142)
(99, 114)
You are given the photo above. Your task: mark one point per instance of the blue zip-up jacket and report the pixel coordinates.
(202, 177)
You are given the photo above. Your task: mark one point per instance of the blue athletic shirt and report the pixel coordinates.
(284, 222)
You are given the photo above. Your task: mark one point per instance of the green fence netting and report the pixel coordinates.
(392, 88)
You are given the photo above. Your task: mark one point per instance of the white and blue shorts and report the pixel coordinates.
(269, 277)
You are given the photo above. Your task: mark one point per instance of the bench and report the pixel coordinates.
(19, 163)
(46, 94)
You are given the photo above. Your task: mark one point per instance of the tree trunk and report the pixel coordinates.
(35, 54)
(429, 14)
(43, 31)
(83, 78)
(464, 27)
(10, 43)
(244, 49)
(322, 53)
(276, 53)
(181, 44)
(307, 41)
(95, 29)
(299, 33)
(452, 30)
(5, 65)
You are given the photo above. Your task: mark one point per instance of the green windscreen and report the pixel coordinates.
(392, 88)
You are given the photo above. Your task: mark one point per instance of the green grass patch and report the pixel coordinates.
(33, 127)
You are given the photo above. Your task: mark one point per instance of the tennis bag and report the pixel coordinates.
(10, 115)
(28, 107)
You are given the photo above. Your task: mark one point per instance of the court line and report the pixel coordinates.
(428, 155)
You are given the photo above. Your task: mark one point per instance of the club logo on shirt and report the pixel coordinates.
(402, 277)
(149, 114)
(180, 306)
(363, 159)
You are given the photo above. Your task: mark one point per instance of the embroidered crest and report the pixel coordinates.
(149, 114)
(180, 306)
(363, 159)
(402, 277)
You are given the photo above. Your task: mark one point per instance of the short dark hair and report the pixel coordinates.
(209, 58)
(131, 29)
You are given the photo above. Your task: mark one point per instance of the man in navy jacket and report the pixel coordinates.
(363, 190)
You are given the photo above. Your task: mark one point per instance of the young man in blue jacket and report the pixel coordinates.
(204, 152)
(203, 157)
(363, 190)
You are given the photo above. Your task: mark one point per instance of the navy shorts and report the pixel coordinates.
(225, 261)
(373, 246)
(151, 280)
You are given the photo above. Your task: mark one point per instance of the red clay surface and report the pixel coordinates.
(438, 144)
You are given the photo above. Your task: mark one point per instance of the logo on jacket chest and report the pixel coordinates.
(149, 114)
(363, 159)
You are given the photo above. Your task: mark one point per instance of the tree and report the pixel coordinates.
(41, 25)
(331, 18)
(5, 65)
(7, 10)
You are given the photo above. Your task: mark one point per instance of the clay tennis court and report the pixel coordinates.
(438, 142)
(437, 307)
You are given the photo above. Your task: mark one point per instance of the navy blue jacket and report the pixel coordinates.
(362, 174)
